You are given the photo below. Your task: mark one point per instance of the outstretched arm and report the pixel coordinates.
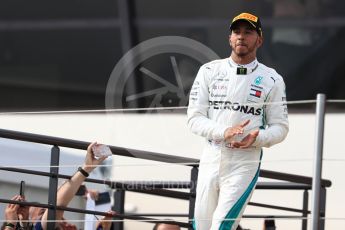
(67, 191)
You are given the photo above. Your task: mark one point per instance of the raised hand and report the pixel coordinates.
(246, 142)
(236, 130)
(90, 161)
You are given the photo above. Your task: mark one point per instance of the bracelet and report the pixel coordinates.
(82, 171)
(10, 225)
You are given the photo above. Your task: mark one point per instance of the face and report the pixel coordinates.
(244, 40)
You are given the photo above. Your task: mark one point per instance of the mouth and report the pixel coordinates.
(241, 45)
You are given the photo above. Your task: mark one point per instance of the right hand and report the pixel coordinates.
(236, 130)
(90, 161)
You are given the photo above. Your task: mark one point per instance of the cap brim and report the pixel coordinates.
(242, 19)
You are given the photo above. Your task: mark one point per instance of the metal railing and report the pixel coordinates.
(292, 182)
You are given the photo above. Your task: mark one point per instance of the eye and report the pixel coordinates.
(236, 31)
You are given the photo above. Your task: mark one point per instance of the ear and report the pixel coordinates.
(230, 39)
(260, 41)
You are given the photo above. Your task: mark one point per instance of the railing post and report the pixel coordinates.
(316, 186)
(53, 185)
(305, 210)
(193, 181)
(119, 207)
(322, 207)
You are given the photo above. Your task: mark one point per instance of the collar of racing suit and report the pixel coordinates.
(244, 69)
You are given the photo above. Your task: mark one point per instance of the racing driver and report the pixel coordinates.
(239, 106)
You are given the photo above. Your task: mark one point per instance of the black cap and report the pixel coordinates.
(253, 20)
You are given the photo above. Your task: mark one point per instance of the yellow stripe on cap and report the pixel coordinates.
(246, 16)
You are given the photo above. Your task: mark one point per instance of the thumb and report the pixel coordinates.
(255, 133)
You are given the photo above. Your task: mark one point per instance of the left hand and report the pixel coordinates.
(247, 141)
(11, 211)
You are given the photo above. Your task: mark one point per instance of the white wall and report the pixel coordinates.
(168, 134)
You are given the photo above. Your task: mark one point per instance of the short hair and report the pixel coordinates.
(156, 226)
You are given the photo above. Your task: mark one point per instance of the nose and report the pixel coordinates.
(241, 36)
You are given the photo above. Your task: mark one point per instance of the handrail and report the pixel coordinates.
(70, 143)
(139, 186)
(157, 188)
(292, 178)
(93, 212)
(146, 155)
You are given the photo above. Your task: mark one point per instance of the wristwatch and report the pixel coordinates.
(82, 171)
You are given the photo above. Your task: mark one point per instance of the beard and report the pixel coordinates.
(243, 51)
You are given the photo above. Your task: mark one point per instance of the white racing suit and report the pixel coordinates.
(222, 98)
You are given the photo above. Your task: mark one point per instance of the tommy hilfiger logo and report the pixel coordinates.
(255, 93)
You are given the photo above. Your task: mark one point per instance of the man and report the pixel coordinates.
(238, 105)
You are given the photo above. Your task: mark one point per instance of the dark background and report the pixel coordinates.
(58, 55)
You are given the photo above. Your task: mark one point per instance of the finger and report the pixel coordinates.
(245, 123)
(244, 146)
(255, 133)
(248, 143)
(234, 144)
(101, 159)
(239, 130)
(89, 148)
(110, 214)
(113, 213)
(15, 197)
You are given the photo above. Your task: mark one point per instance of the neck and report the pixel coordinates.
(242, 60)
